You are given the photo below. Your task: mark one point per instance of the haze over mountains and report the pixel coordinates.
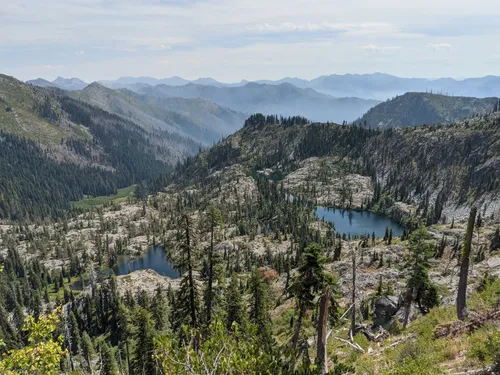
(69, 84)
(379, 86)
(335, 98)
(284, 99)
(198, 119)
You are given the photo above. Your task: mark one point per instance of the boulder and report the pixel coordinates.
(384, 309)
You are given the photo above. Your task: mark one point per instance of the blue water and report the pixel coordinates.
(154, 259)
(359, 222)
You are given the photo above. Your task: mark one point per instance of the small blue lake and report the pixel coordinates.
(155, 259)
(359, 222)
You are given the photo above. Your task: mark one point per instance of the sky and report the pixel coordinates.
(230, 40)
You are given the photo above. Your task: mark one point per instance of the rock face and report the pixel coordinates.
(385, 308)
(323, 180)
(144, 280)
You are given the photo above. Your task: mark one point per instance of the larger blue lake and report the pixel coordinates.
(359, 222)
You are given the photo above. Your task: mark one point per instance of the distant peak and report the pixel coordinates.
(95, 85)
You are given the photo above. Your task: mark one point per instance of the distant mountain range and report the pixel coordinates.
(284, 99)
(378, 86)
(413, 109)
(70, 84)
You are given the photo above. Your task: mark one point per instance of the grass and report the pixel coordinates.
(120, 196)
(53, 294)
(427, 355)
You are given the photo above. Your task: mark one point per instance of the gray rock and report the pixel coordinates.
(385, 308)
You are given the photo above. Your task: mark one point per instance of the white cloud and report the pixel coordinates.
(52, 67)
(231, 39)
(439, 46)
(348, 29)
(377, 48)
(81, 52)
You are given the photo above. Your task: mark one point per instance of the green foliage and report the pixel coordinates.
(222, 353)
(311, 276)
(485, 347)
(235, 305)
(108, 361)
(33, 185)
(42, 354)
(260, 304)
(418, 283)
(415, 358)
(121, 194)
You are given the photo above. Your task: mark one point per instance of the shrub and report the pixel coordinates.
(485, 347)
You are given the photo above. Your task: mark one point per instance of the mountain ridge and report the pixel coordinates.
(198, 119)
(379, 86)
(412, 109)
(284, 99)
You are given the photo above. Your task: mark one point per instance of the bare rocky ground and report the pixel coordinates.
(134, 226)
(324, 179)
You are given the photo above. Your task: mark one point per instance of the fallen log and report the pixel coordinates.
(351, 344)
(458, 327)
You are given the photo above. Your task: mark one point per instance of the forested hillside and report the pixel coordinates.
(198, 119)
(416, 108)
(56, 149)
(440, 169)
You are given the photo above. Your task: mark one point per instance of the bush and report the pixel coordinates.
(415, 357)
(485, 347)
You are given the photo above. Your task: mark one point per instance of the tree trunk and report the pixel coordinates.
(353, 298)
(321, 358)
(129, 365)
(464, 266)
(407, 304)
(192, 302)
(211, 271)
(298, 326)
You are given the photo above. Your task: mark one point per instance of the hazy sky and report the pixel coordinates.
(232, 40)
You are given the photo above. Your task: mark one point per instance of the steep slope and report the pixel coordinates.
(413, 109)
(70, 84)
(198, 119)
(438, 170)
(56, 149)
(284, 99)
(32, 112)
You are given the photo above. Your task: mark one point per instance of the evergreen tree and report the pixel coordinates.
(87, 350)
(213, 218)
(143, 362)
(418, 285)
(309, 282)
(159, 309)
(235, 305)
(495, 242)
(260, 305)
(108, 361)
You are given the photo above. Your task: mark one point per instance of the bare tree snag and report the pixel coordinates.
(464, 266)
(321, 358)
